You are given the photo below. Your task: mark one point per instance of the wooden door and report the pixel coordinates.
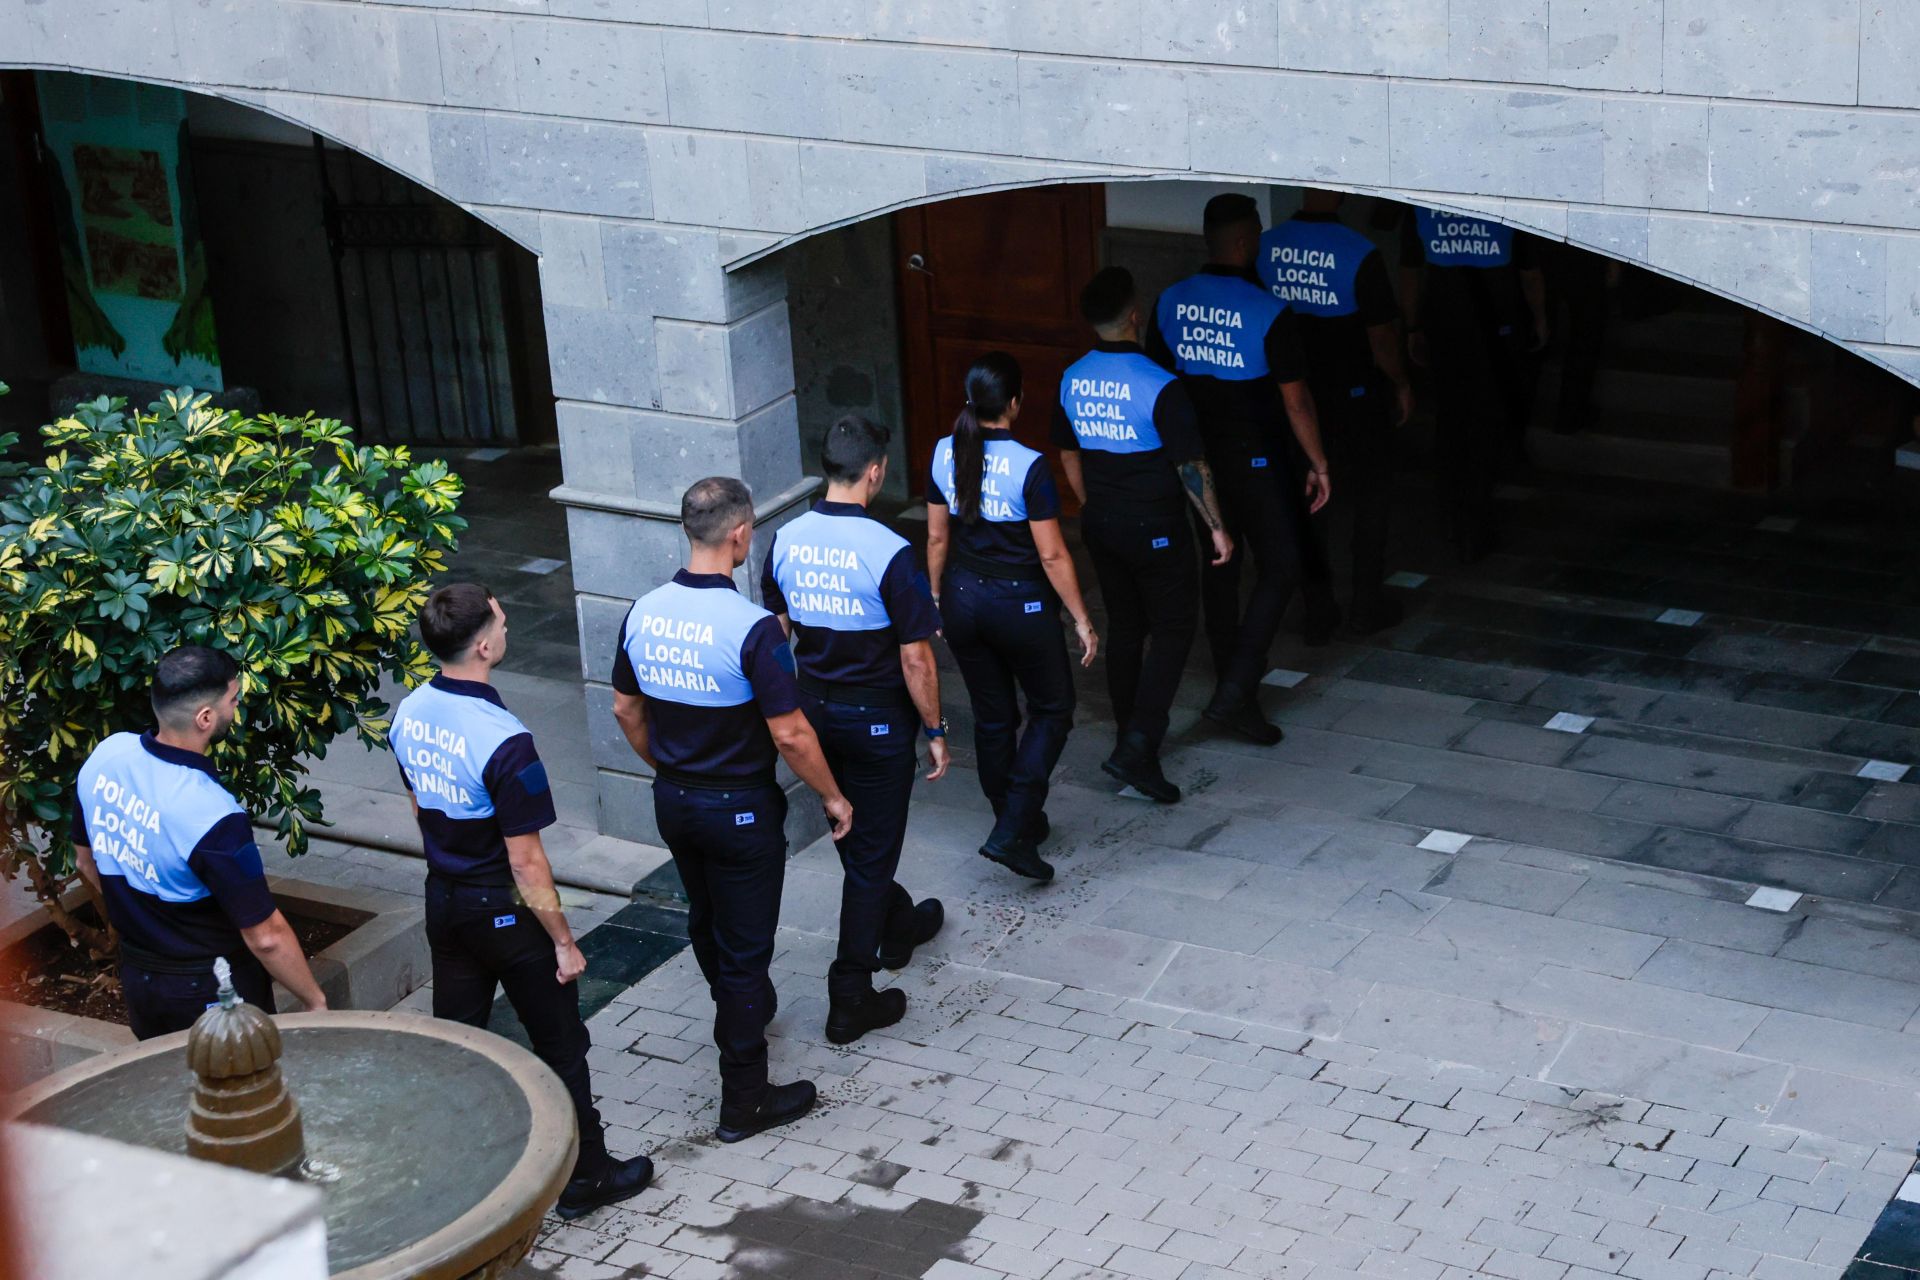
(999, 271)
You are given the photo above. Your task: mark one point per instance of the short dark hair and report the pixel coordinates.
(187, 678)
(852, 445)
(452, 616)
(1229, 209)
(1107, 297)
(712, 508)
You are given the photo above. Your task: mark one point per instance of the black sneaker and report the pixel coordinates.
(780, 1104)
(926, 919)
(1241, 715)
(622, 1180)
(850, 1017)
(1138, 765)
(1019, 857)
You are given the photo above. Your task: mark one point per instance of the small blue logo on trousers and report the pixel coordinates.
(1162, 543)
(1033, 606)
(743, 819)
(501, 922)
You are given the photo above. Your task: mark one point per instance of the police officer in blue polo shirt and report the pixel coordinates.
(1239, 355)
(861, 622)
(1335, 281)
(171, 856)
(995, 548)
(1478, 303)
(481, 797)
(1132, 451)
(704, 691)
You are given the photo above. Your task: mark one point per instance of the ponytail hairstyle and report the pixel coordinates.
(993, 384)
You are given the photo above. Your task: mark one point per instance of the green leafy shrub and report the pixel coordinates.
(275, 539)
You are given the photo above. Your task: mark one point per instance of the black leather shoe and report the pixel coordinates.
(622, 1180)
(927, 917)
(1019, 857)
(850, 1017)
(1241, 715)
(1138, 765)
(780, 1104)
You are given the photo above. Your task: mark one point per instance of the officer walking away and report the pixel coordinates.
(1132, 452)
(481, 797)
(1336, 282)
(1001, 571)
(170, 855)
(861, 622)
(703, 688)
(1479, 306)
(1237, 352)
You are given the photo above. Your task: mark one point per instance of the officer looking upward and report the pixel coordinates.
(1000, 562)
(703, 688)
(481, 797)
(1479, 306)
(861, 620)
(171, 857)
(1132, 452)
(1239, 356)
(1336, 282)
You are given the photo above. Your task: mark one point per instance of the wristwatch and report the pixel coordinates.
(939, 731)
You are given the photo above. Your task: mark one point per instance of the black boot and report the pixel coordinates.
(779, 1104)
(1040, 829)
(1375, 615)
(1135, 762)
(850, 1017)
(618, 1180)
(921, 924)
(1021, 857)
(1237, 712)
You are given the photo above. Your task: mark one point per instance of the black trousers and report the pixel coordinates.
(159, 1002)
(1356, 426)
(871, 752)
(1480, 390)
(730, 848)
(1006, 646)
(1151, 588)
(481, 935)
(1262, 516)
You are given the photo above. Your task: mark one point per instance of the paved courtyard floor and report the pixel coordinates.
(1462, 978)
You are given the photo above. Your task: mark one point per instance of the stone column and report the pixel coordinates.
(667, 368)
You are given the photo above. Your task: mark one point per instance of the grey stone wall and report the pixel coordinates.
(648, 149)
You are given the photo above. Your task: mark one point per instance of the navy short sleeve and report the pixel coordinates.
(772, 599)
(903, 588)
(1526, 252)
(1155, 343)
(936, 496)
(77, 830)
(625, 679)
(1178, 425)
(1373, 291)
(1041, 494)
(228, 863)
(767, 661)
(1413, 253)
(1286, 358)
(1063, 437)
(517, 783)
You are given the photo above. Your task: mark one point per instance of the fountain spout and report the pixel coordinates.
(241, 1113)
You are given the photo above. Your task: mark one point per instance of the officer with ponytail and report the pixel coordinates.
(862, 623)
(1001, 571)
(1131, 449)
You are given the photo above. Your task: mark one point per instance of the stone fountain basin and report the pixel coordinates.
(451, 1143)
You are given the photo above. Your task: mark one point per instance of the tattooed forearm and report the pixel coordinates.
(1198, 478)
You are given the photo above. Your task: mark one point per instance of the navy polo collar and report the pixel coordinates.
(1305, 216)
(827, 508)
(996, 433)
(1232, 273)
(1118, 348)
(688, 578)
(468, 688)
(177, 755)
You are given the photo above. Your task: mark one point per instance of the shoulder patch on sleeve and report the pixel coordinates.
(533, 779)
